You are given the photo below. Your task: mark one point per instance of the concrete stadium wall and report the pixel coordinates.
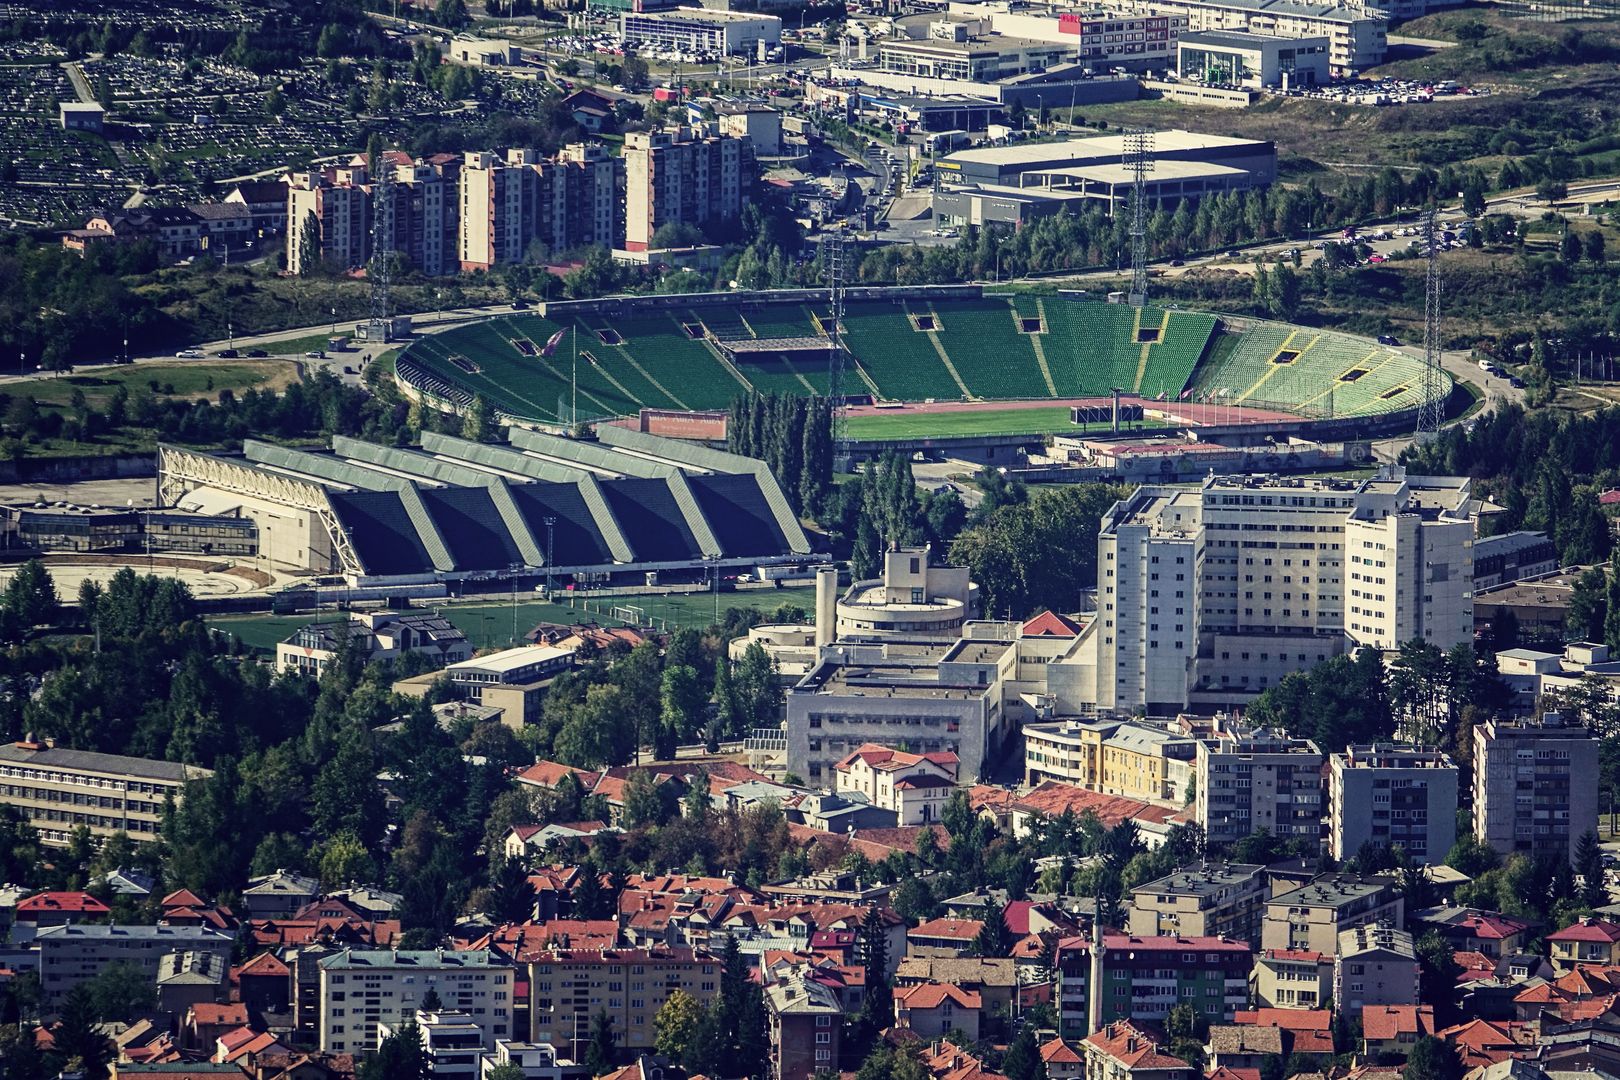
(613, 305)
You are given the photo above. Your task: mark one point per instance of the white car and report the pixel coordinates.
(190, 354)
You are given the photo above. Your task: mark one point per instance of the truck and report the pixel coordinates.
(784, 573)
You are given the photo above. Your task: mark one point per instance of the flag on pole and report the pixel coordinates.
(1187, 393)
(552, 342)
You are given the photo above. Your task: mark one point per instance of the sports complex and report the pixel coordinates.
(940, 360)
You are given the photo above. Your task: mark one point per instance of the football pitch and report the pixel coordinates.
(912, 424)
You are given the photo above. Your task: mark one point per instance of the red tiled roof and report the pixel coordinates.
(1225, 1073)
(1051, 624)
(1490, 927)
(76, 903)
(1298, 956)
(1595, 930)
(950, 929)
(264, 964)
(1287, 1019)
(886, 759)
(1057, 1051)
(1113, 940)
(550, 774)
(933, 995)
(988, 796)
(1380, 1023)
(879, 844)
(1052, 798)
(1133, 1047)
(213, 1013)
(182, 898)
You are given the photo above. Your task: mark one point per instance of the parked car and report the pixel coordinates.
(190, 354)
(227, 354)
(256, 354)
(315, 354)
(1388, 339)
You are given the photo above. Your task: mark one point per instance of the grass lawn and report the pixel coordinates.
(300, 346)
(911, 425)
(185, 378)
(489, 624)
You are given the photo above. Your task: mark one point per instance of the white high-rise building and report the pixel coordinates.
(1211, 595)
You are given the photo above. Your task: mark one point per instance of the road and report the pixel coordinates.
(426, 323)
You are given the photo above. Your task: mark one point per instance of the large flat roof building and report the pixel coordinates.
(57, 790)
(1357, 36)
(1008, 164)
(538, 506)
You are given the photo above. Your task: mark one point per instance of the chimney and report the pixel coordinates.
(826, 605)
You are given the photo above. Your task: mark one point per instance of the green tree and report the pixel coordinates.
(1431, 1059)
(31, 594)
(398, 1057)
(511, 894)
(121, 991)
(992, 939)
(1589, 867)
(1023, 1059)
(1588, 606)
(600, 1049)
(676, 1025)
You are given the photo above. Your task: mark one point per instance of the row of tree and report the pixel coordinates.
(792, 433)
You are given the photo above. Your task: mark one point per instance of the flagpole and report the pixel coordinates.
(573, 421)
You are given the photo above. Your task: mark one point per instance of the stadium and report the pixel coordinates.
(969, 360)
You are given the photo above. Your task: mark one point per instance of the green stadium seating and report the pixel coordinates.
(984, 345)
(895, 355)
(1089, 348)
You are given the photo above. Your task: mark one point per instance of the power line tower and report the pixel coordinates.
(1139, 159)
(381, 269)
(1432, 408)
(836, 254)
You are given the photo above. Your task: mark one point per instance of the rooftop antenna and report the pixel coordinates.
(1138, 158)
(1432, 406)
(835, 252)
(381, 270)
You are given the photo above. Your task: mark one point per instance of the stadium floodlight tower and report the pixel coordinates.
(381, 268)
(835, 256)
(1431, 408)
(1138, 157)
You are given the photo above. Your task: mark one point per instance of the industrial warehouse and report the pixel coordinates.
(624, 505)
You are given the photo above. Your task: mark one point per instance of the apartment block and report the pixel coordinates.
(567, 987)
(1259, 781)
(59, 790)
(340, 202)
(1291, 979)
(690, 175)
(1375, 965)
(1202, 901)
(1535, 784)
(511, 202)
(1312, 918)
(805, 1021)
(1145, 977)
(1209, 596)
(1392, 796)
(363, 989)
(70, 955)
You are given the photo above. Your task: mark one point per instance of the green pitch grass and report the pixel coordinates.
(914, 425)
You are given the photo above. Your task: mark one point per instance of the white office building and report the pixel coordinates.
(1357, 36)
(1210, 595)
(699, 30)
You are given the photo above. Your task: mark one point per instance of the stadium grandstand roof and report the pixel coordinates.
(621, 502)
